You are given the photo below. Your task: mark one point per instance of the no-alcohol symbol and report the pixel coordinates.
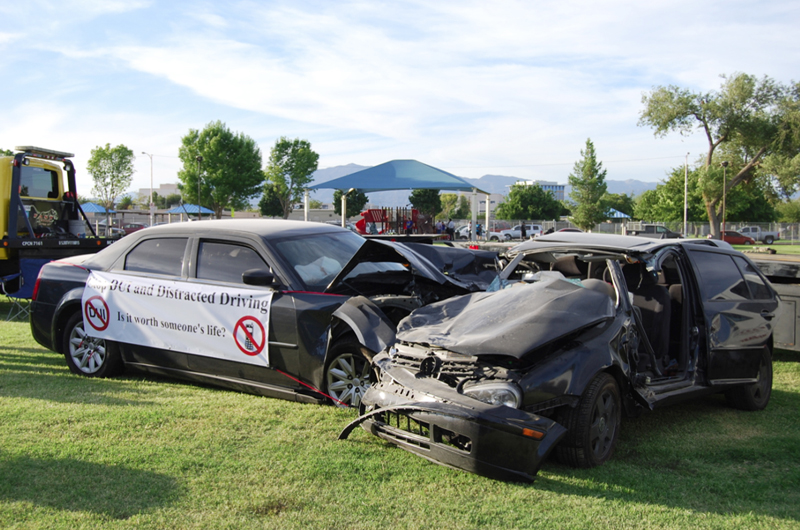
(96, 313)
(250, 336)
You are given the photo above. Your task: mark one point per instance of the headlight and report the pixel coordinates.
(495, 393)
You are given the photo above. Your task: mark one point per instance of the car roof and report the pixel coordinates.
(260, 227)
(610, 242)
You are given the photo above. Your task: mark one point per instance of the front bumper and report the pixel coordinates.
(432, 420)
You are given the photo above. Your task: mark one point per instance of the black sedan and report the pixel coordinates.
(278, 308)
(577, 330)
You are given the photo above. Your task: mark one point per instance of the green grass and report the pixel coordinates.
(142, 452)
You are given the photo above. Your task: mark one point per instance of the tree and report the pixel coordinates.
(755, 123)
(6, 152)
(427, 201)
(789, 211)
(125, 203)
(454, 206)
(112, 170)
(526, 202)
(620, 202)
(291, 164)
(314, 204)
(270, 203)
(230, 168)
(355, 202)
(588, 181)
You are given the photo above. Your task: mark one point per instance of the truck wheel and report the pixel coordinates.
(754, 396)
(507, 237)
(592, 426)
(769, 240)
(348, 374)
(89, 356)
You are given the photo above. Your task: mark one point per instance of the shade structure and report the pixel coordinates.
(190, 208)
(398, 175)
(90, 207)
(616, 214)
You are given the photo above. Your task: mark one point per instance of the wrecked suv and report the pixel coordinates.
(577, 330)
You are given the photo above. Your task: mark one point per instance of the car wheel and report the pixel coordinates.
(769, 240)
(593, 425)
(348, 373)
(754, 396)
(89, 356)
(748, 242)
(494, 238)
(508, 237)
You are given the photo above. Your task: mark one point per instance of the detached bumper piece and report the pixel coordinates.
(496, 442)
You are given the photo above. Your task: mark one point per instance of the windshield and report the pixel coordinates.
(318, 258)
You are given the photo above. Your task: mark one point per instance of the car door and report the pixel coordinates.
(220, 265)
(739, 306)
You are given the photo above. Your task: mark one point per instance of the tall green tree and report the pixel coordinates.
(230, 171)
(454, 206)
(528, 202)
(355, 202)
(112, 170)
(588, 181)
(270, 203)
(756, 122)
(291, 164)
(6, 152)
(428, 202)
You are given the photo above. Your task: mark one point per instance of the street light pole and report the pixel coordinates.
(724, 192)
(686, 196)
(151, 188)
(199, 160)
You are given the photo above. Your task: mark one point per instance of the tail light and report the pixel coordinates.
(36, 285)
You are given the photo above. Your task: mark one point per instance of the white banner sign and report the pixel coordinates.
(213, 321)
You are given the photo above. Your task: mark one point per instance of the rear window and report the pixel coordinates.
(38, 182)
(157, 256)
(720, 277)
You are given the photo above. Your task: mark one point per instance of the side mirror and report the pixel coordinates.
(261, 277)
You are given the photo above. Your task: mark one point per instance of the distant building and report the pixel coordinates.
(163, 190)
(553, 187)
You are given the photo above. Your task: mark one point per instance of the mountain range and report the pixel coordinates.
(491, 183)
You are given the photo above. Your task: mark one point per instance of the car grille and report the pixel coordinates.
(440, 364)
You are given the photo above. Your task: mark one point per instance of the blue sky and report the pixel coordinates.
(502, 87)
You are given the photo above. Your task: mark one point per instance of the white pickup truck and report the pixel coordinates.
(531, 230)
(760, 235)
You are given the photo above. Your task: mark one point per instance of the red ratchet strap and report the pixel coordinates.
(342, 403)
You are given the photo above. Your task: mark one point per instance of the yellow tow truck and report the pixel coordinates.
(40, 217)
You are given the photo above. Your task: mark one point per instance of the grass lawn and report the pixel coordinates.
(135, 452)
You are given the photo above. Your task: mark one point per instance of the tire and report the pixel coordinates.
(507, 237)
(348, 373)
(592, 426)
(754, 396)
(748, 242)
(494, 238)
(769, 240)
(89, 356)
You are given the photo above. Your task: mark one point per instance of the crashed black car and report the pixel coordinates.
(306, 303)
(578, 329)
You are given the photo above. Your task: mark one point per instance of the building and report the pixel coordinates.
(553, 187)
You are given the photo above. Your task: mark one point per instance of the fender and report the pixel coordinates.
(371, 327)
(68, 303)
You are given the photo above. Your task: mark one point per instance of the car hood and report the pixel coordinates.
(512, 322)
(389, 251)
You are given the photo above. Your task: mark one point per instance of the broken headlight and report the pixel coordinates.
(495, 393)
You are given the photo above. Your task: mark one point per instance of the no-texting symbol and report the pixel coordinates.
(96, 314)
(250, 336)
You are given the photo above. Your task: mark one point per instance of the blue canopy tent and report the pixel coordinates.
(399, 175)
(90, 207)
(190, 209)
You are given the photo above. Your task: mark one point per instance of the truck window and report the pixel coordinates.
(38, 182)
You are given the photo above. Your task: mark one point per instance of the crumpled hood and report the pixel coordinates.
(389, 251)
(510, 322)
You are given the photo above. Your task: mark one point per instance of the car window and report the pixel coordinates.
(318, 258)
(720, 277)
(38, 182)
(758, 288)
(157, 256)
(226, 262)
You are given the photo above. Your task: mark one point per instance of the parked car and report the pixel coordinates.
(580, 329)
(735, 238)
(655, 231)
(277, 308)
(130, 228)
(765, 236)
(531, 230)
